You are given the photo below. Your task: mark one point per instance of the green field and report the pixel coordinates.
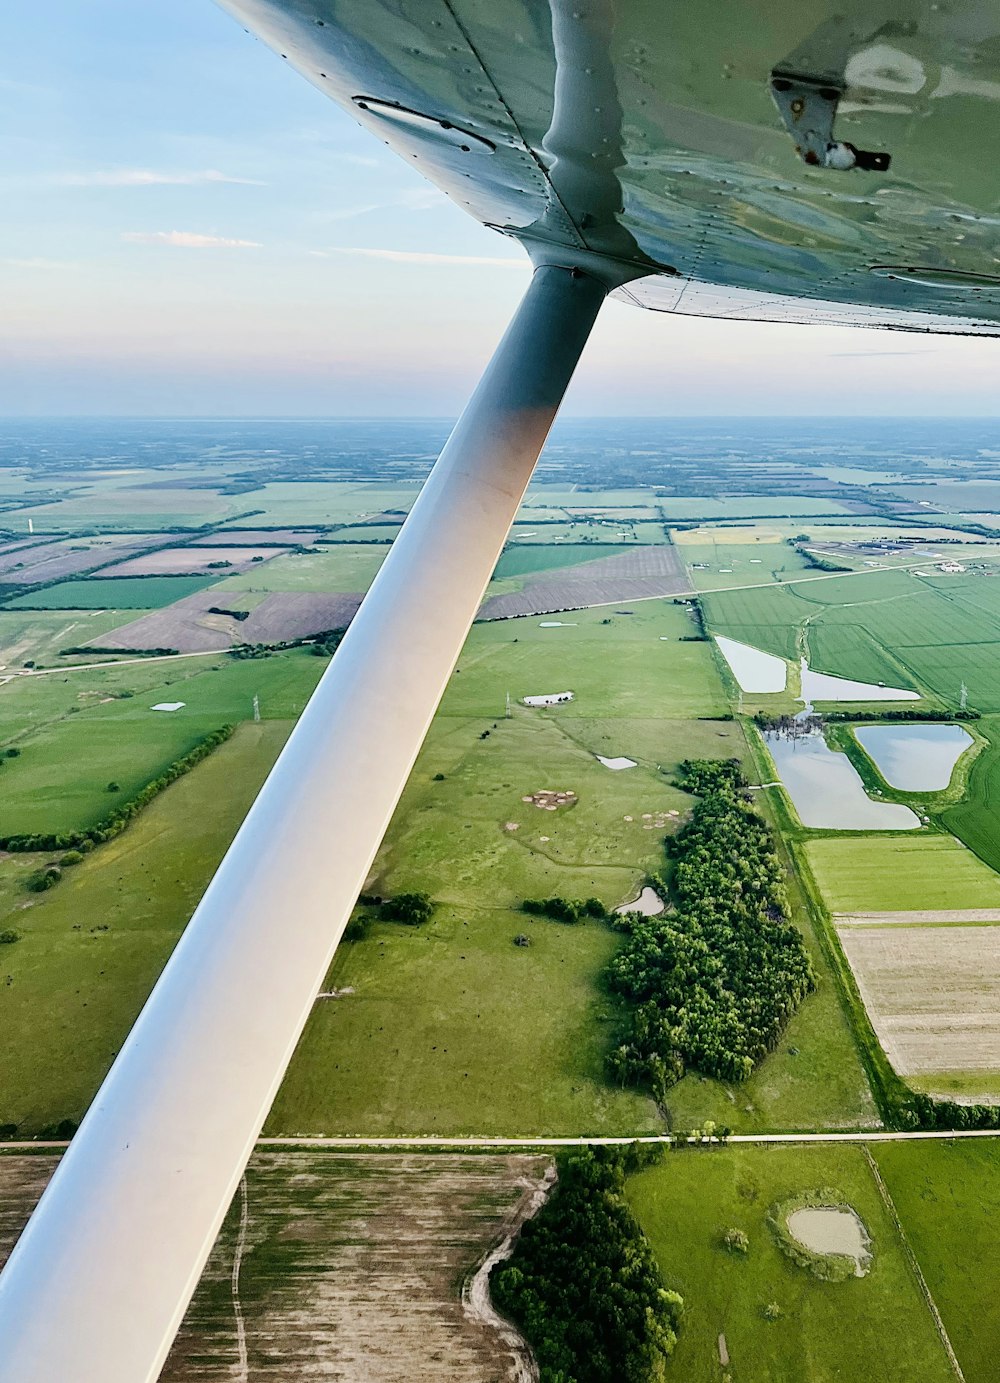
(894, 873)
(341, 567)
(459, 983)
(79, 730)
(92, 947)
(875, 1329)
(928, 634)
(974, 819)
(112, 593)
(524, 559)
(948, 1198)
(724, 564)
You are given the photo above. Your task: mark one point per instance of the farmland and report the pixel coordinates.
(367, 1061)
(874, 1329)
(891, 873)
(932, 994)
(927, 633)
(111, 593)
(348, 1257)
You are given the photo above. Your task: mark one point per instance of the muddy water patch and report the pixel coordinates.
(753, 669)
(649, 903)
(832, 1230)
(825, 686)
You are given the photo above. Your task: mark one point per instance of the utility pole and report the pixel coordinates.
(963, 698)
(256, 708)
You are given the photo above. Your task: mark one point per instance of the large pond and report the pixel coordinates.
(755, 671)
(827, 789)
(915, 758)
(823, 686)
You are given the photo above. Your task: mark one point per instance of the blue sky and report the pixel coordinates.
(190, 228)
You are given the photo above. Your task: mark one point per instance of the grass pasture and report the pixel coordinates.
(92, 947)
(38, 635)
(874, 1329)
(85, 728)
(947, 1195)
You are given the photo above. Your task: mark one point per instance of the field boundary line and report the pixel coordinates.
(488, 1141)
(243, 1363)
(911, 1257)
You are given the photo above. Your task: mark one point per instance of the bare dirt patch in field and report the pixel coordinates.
(551, 799)
(932, 994)
(341, 1266)
(645, 573)
(185, 561)
(188, 625)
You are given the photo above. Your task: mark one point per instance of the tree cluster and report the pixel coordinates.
(115, 822)
(411, 908)
(714, 982)
(582, 1284)
(564, 909)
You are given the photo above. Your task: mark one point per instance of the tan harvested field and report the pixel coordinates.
(932, 993)
(53, 561)
(645, 573)
(931, 917)
(188, 626)
(181, 561)
(340, 1266)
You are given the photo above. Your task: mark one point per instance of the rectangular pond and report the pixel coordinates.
(914, 757)
(826, 789)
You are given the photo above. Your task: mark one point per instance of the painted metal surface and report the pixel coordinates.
(97, 1286)
(645, 132)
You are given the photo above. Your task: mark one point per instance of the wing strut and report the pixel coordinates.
(98, 1284)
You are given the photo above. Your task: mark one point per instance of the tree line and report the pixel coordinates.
(714, 982)
(582, 1284)
(115, 822)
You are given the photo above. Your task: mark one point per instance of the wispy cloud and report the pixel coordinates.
(38, 263)
(415, 199)
(420, 257)
(145, 177)
(188, 240)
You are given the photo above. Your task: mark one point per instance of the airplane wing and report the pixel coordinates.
(772, 161)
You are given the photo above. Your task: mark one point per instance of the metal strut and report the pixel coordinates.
(98, 1284)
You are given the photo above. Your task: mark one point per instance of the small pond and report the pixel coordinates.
(914, 757)
(832, 1229)
(755, 671)
(649, 903)
(827, 789)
